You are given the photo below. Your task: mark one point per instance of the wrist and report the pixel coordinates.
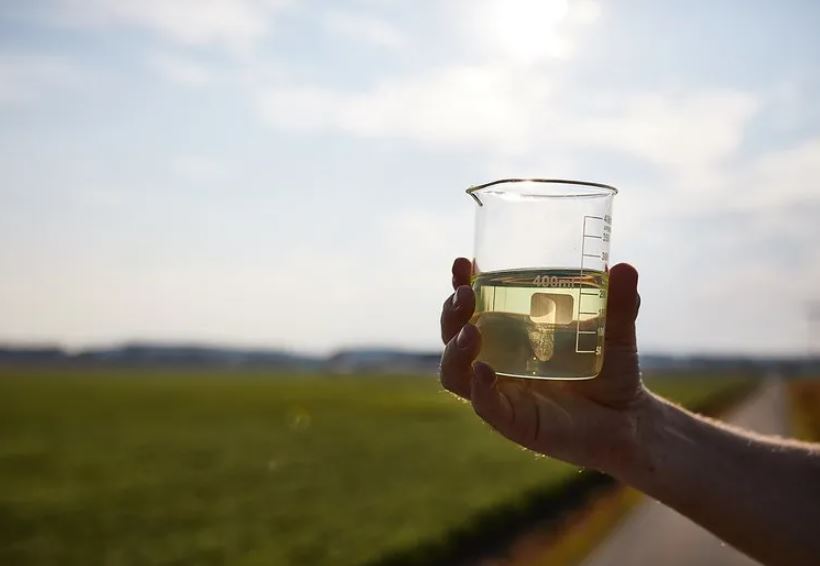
(635, 454)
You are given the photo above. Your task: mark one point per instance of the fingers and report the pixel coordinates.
(456, 369)
(462, 270)
(462, 339)
(459, 307)
(622, 307)
(456, 311)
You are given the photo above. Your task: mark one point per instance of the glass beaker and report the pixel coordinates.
(541, 274)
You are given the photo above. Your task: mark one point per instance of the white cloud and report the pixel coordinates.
(236, 24)
(788, 176)
(770, 186)
(365, 28)
(513, 111)
(181, 70)
(691, 132)
(199, 169)
(25, 78)
(471, 106)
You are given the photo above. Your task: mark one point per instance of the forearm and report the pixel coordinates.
(762, 495)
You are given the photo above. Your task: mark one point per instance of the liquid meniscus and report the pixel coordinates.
(542, 323)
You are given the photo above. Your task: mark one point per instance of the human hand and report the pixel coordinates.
(590, 423)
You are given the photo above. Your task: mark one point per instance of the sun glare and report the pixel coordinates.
(525, 31)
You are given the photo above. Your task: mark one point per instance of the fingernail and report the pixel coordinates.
(463, 339)
(459, 297)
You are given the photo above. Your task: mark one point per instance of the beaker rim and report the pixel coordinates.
(547, 188)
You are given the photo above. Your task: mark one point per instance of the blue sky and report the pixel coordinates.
(290, 173)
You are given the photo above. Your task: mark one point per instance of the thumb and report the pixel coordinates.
(622, 307)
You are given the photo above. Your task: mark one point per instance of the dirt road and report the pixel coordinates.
(654, 534)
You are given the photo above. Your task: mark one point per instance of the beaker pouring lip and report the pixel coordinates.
(545, 188)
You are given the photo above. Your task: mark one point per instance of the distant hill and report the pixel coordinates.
(147, 355)
(353, 360)
(32, 354)
(382, 360)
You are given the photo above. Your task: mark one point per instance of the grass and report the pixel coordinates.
(124, 467)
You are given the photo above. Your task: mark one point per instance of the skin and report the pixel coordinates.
(760, 494)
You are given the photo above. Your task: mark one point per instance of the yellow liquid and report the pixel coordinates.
(544, 323)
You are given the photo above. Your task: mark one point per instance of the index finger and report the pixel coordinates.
(462, 270)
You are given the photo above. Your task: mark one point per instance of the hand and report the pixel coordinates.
(588, 423)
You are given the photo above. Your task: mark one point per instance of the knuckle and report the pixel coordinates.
(444, 369)
(446, 381)
(479, 409)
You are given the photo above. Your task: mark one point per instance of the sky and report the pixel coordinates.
(291, 173)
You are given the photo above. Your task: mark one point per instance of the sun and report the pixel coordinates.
(523, 31)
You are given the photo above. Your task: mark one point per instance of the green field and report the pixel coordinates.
(128, 467)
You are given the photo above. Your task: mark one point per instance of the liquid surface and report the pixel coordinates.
(545, 323)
